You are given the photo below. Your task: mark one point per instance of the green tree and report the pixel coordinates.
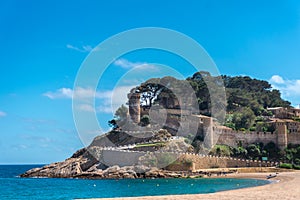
(145, 120)
(254, 152)
(243, 119)
(120, 117)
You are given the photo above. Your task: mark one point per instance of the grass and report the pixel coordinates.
(151, 145)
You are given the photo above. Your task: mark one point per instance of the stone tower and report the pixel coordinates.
(209, 133)
(282, 140)
(134, 107)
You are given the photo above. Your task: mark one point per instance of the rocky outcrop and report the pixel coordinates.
(70, 168)
(90, 162)
(80, 161)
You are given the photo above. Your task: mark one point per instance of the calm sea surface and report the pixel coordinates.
(12, 187)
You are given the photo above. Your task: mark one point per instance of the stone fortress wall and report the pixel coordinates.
(130, 158)
(286, 130)
(281, 137)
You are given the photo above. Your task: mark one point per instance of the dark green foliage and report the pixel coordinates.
(120, 117)
(271, 151)
(145, 120)
(243, 119)
(254, 152)
(221, 150)
(296, 167)
(113, 123)
(292, 154)
(286, 166)
(247, 98)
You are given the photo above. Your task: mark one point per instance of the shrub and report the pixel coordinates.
(253, 128)
(220, 150)
(189, 162)
(145, 120)
(286, 166)
(296, 167)
(188, 141)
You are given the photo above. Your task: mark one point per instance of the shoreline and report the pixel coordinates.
(284, 186)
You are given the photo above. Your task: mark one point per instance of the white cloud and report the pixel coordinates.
(277, 79)
(80, 93)
(83, 48)
(115, 100)
(290, 89)
(126, 64)
(86, 107)
(60, 93)
(20, 146)
(106, 108)
(2, 114)
(109, 100)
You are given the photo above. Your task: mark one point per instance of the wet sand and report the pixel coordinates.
(285, 186)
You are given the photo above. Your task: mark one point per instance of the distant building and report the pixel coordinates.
(285, 113)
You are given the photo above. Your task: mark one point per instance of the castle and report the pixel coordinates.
(286, 130)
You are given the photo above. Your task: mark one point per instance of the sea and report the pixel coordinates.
(14, 187)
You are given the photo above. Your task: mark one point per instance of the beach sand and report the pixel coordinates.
(286, 186)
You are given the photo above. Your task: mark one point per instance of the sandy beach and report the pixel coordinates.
(285, 186)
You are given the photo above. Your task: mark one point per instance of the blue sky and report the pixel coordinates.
(43, 44)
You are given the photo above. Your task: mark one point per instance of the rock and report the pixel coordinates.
(130, 176)
(84, 163)
(79, 153)
(68, 168)
(152, 173)
(141, 168)
(113, 169)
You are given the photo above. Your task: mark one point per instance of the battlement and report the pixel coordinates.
(112, 156)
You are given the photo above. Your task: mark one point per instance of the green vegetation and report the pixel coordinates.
(159, 144)
(252, 151)
(221, 150)
(247, 98)
(289, 166)
(290, 156)
(145, 120)
(120, 117)
(188, 162)
(286, 166)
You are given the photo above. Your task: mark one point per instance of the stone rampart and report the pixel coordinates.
(122, 158)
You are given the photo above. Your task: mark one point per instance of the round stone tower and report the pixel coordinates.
(134, 107)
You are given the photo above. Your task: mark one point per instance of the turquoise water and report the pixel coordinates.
(12, 187)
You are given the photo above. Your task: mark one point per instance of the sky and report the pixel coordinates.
(44, 43)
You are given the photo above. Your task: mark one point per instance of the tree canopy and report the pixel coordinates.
(120, 117)
(246, 97)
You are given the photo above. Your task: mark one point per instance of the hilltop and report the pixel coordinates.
(164, 129)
